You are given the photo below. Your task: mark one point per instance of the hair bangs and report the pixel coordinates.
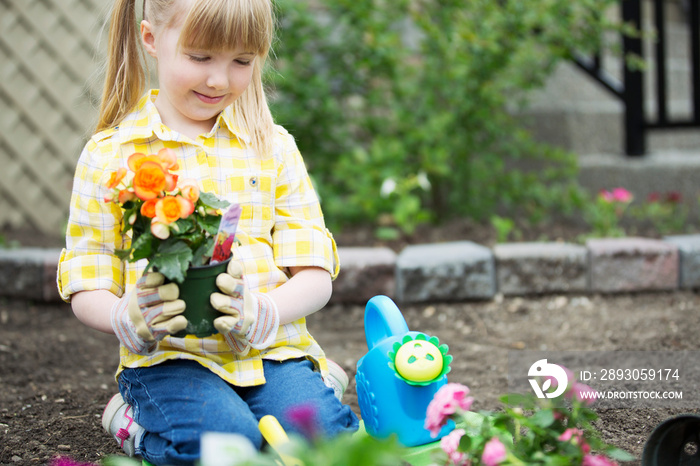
(228, 24)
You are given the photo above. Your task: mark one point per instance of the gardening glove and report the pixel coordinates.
(251, 319)
(148, 313)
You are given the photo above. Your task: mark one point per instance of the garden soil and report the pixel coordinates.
(56, 375)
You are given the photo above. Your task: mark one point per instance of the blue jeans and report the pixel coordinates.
(176, 401)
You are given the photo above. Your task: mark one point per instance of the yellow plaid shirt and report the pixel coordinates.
(281, 226)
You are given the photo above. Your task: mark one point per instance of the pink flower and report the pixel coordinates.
(582, 392)
(450, 445)
(494, 452)
(606, 195)
(569, 433)
(575, 436)
(617, 195)
(445, 403)
(622, 195)
(304, 417)
(597, 460)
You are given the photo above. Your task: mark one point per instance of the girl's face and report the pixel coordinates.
(195, 85)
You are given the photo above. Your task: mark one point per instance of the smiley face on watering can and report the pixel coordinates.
(418, 361)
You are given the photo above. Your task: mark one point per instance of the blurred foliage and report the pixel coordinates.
(403, 109)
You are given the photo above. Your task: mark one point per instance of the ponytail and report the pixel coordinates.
(125, 77)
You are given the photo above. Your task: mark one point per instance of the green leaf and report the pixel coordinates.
(119, 461)
(517, 399)
(544, 418)
(142, 247)
(185, 225)
(123, 254)
(172, 259)
(203, 253)
(557, 460)
(212, 201)
(387, 233)
(619, 454)
(465, 443)
(210, 224)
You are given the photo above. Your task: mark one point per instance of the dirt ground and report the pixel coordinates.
(56, 375)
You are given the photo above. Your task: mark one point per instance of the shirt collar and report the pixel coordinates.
(227, 118)
(145, 122)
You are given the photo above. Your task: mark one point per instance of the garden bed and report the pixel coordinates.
(57, 375)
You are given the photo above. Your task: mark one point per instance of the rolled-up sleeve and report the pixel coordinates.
(300, 237)
(93, 231)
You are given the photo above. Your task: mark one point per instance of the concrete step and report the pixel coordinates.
(658, 171)
(600, 130)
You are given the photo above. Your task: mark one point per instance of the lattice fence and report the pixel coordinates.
(48, 94)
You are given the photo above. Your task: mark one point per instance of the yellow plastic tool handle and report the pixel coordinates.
(274, 434)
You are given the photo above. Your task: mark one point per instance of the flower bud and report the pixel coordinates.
(160, 230)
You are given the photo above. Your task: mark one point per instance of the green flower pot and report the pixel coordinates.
(199, 284)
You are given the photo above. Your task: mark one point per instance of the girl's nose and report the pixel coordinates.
(218, 78)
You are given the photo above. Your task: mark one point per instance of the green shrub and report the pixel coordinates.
(419, 96)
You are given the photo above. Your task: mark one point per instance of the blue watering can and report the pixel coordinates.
(399, 375)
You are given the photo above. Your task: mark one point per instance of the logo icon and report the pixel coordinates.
(550, 372)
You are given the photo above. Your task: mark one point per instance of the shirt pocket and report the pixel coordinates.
(254, 191)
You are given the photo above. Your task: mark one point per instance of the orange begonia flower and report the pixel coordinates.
(168, 210)
(134, 161)
(125, 196)
(186, 206)
(149, 180)
(159, 230)
(116, 177)
(168, 158)
(148, 208)
(170, 181)
(189, 189)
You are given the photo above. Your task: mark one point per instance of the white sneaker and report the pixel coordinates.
(337, 379)
(118, 422)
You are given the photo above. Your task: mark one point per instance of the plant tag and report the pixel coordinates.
(223, 242)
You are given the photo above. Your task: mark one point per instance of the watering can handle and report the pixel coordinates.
(382, 319)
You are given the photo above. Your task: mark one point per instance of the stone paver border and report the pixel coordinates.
(453, 271)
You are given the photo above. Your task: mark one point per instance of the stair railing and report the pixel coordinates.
(631, 90)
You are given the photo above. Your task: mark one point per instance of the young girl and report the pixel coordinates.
(210, 109)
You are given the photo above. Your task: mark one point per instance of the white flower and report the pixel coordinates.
(423, 181)
(388, 187)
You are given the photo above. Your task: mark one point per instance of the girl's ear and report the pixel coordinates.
(148, 39)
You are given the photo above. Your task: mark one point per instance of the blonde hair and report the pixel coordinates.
(208, 25)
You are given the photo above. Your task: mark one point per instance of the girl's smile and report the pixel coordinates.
(213, 100)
